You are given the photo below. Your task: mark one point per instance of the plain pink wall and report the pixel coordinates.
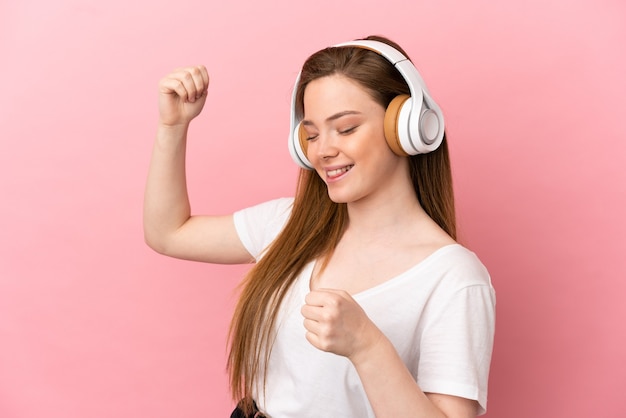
(94, 324)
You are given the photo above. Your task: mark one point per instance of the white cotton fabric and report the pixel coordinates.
(439, 315)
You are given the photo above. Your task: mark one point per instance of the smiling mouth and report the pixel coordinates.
(339, 171)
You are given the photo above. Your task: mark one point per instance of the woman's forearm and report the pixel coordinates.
(393, 392)
(166, 201)
(389, 386)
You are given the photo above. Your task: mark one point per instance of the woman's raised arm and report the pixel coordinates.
(169, 227)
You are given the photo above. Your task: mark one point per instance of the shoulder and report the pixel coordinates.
(280, 204)
(459, 267)
(271, 211)
(258, 225)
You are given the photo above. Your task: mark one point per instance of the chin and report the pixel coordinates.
(341, 198)
(336, 197)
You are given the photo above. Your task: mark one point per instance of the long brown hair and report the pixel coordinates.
(316, 223)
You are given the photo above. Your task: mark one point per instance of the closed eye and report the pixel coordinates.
(348, 131)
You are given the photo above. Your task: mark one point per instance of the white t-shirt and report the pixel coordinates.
(439, 315)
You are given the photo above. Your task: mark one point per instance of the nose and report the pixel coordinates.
(325, 146)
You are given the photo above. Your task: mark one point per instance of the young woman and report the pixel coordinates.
(361, 303)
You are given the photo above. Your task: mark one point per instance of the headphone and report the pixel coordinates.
(413, 124)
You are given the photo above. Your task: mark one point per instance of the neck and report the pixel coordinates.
(396, 212)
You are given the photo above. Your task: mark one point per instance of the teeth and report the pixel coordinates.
(339, 171)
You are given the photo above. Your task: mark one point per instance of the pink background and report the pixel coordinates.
(94, 324)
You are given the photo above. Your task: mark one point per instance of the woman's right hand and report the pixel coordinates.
(182, 95)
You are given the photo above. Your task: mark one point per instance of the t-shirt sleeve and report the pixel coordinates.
(257, 226)
(457, 344)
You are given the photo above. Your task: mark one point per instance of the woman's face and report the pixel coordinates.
(346, 141)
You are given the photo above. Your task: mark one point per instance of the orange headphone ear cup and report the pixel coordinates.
(302, 139)
(391, 124)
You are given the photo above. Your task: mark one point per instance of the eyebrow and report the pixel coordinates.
(336, 116)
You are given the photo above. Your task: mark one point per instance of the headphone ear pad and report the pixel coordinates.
(392, 115)
(302, 139)
(298, 147)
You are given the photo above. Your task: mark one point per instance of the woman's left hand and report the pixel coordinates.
(336, 323)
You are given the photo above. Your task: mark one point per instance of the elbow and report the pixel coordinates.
(154, 245)
(155, 241)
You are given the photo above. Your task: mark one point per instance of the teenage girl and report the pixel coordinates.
(360, 303)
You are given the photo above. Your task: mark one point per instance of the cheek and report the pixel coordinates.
(377, 144)
(312, 154)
